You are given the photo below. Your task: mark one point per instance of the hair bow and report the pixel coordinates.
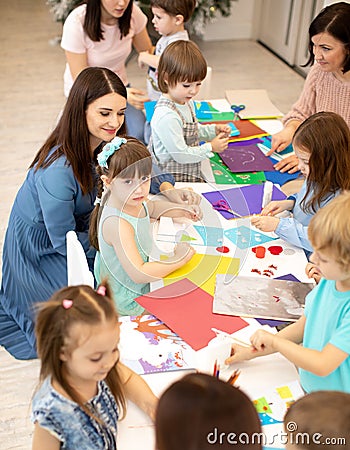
(109, 149)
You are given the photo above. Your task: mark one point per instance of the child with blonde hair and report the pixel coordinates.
(324, 328)
(120, 226)
(176, 134)
(322, 144)
(83, 384)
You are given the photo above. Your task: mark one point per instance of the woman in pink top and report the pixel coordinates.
(327, 86)
(101, 33)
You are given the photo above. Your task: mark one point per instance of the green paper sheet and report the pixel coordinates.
(223, 175)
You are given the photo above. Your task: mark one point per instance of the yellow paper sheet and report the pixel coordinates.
(202, 270)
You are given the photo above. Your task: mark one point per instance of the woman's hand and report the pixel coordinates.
(265, 223)
(185, 195)
(277, 207)
(282, 139)
(289, 164)
(136, 98)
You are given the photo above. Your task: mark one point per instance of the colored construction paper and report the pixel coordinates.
(187, 310)
(223, 175)
(149, 109)
(247, 129)
(211, 236)
(245, 156)
(205, 111)
(245, 200)
(278, 177)
(245, 237)
(202, 269)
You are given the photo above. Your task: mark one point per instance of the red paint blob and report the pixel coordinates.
(275, 249)
(222, 249)
(260, 251)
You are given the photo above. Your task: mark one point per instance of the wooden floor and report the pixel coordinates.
(31, 96)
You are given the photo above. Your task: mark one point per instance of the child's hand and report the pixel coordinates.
(263, 341)
(265, 223)
(136, 98)
(240, 353)
(312, 271)
(276, 207)
(225, 129)
(193, 212)
(219, 143)
(140, 60)
(183, 252)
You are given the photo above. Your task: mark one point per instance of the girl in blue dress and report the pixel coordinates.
(83, 384)
(58, 196)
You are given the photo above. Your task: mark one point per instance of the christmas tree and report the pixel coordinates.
(61, 8)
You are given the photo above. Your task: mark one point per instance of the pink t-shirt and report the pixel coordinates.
(111, 52)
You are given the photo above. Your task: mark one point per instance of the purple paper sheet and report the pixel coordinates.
(245, 156)
(245, 201)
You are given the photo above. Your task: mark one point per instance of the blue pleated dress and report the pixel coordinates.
(49, 203)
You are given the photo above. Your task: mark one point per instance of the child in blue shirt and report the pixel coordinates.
(322, 144)
(324, 328)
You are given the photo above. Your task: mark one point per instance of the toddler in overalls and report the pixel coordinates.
(176, 134)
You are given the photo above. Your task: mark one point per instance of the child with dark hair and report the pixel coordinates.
(322, 144)
(169, 18)
(176, 134)
(201, 412)
(120, 226)
(83, 384)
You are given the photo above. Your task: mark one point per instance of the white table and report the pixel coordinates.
(257, 376)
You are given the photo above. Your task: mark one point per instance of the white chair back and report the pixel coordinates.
(77, 265)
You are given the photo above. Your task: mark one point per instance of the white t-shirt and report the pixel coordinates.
(111, 52)
(162, 44)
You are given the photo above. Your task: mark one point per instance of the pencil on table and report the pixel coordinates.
(233, 378)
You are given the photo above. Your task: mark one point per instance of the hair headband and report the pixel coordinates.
(109, 149)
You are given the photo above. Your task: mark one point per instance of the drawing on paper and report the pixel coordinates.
(147, 345)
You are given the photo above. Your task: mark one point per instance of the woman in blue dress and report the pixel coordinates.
(58, 196)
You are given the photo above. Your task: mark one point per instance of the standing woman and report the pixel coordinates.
(57, 196)
(102, 33)
(327, 86)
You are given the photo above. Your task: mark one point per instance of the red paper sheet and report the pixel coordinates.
(187, 310)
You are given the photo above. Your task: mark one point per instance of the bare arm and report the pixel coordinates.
(164, 208)
(43, 439)
(138, 391)
(120, 234)
(76, 62)
(321, 363)
(293, 333)
(179, 195)
(142, 42)
(148, 59)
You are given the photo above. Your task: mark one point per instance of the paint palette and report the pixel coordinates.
(244, 237)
